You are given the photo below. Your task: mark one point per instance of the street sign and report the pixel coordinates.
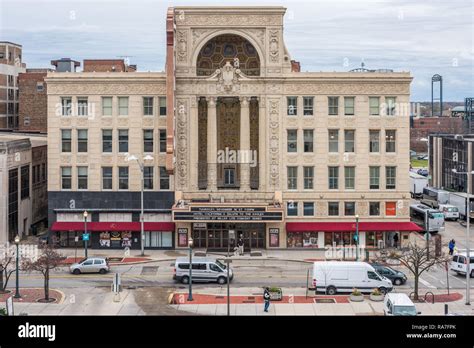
(85, 236)
(76, 238)
(427, 236)
(10, 306)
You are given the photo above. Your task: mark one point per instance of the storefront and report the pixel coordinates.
(370, 234)
(114, 235)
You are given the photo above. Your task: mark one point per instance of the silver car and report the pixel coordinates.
(90, 265)
(204, 270)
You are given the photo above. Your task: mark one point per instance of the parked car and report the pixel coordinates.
(459, 263)
(398, 304)
(397, 277)
(422, 157)
(90, 265)
(332, 277)
(450, 211)
(423, 172)
(204, 270)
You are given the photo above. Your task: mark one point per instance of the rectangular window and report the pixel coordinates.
(374, 208)
(349, 178)
(148, 106)
(25, 182)
(374, 173)
(374, 141)
(123, 106)
(66, 178)
(107, 140)
(308, 140)
(308, 178)
(43, 172)
(308, 209)
(163, 140)
(123, 178)
(164, 179)
(349, 104)
(82, 135)
(333, 140)
(148, 178)
(292, 135)
(374, 105)
(66, 140)
(349, 140)
(308, 105)
(123, 140)
(390, 177)
(390, 140)
(66, 106)
(333, 105)
(162, 102)
(107, 178)
(229, 176)
(349, 208)
(82, 178)
(390, 208)
(292, 106)
(82, 106)
(107, 106)
(148, 140)
(333, 208)
(292, 209)
(333, 178)
(390, 103)
(292, 178)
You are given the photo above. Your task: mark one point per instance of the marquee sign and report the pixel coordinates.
(250, 214)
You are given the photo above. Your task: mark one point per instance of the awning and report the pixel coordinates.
(351, 226)
(112, 226)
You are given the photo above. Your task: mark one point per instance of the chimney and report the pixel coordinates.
(295, 66)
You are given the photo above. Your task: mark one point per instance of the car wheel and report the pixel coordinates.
(331, 290)
(103, 271)
(185, 280)
(383, 290)
(221, 280)
(397, 281)
(76, 271)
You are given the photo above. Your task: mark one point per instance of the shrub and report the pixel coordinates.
(376, 292)
(356, 292)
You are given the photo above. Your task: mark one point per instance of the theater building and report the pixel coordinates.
(253, 146)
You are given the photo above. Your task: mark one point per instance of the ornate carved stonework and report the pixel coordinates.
(274, 148)
(362, 208)
(107, 159)
(182, 44)
(124, 88)
(321, 208)
(347, 88)
(333, 121)
(122, 121)
(228, 78)
(81, 159)
(258, 34)
(274, 46)
(148, 122)
(181, 143)
(198, 33)
(66, 159)
(333, 158)
(227, 20)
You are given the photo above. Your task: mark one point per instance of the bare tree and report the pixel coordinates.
(48, 260)
(417, 259)
(5, 271)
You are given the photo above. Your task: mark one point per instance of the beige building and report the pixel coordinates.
(258, 149)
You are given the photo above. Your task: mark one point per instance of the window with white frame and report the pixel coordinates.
(333, 140)
(349, 178)
(148, 106)
(349, 105)
(308, 106)
(66, 178)
(107, 106)
(308, 140)
(292, 177)
(82, 135)
(123, 106)
(82, 106)
(292, 108)
(292, 140)
(333, 106)
(374, 106)
(82, 178)
(391, 177)
(308, 173)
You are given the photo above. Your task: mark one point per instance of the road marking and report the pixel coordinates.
(427, 284)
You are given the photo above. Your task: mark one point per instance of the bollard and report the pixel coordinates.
(445, 309)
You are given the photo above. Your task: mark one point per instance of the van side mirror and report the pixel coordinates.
(419, 313)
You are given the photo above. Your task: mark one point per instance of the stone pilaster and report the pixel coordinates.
(211, 144)
(244, 143)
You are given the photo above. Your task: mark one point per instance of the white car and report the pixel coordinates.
(398, 304)
(450, 211)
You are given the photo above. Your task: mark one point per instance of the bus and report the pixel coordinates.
(433, 197)
(430, 220)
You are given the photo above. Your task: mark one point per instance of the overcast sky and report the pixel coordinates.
(424, 37)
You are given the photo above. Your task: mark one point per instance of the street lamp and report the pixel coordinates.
(130, 158)
(17, 243)
(357, 237)
(468, 249)
(85, 237)
(190, 244)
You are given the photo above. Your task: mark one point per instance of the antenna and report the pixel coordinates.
(126, 59)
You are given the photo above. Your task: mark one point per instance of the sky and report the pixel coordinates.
(425, 37)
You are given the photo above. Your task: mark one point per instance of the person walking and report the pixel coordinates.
(240, 245)
(451, 246)
(266, 299)
(395, 240)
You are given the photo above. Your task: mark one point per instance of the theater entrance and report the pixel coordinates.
(215, 236)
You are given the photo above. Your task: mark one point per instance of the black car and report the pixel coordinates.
(397, 277)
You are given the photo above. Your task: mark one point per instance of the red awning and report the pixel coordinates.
(351, 226)
(112, 226)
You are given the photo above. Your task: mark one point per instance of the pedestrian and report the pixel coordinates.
(451, 246)
(395, 240)
(240, 244)
(266, 299)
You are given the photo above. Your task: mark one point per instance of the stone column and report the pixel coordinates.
(262, 143)
(211, 144)
(194, 138)
(244, 143)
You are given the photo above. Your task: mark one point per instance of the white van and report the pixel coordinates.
(450, 211)
(398, 304)
(332, 277)
(459, 263)
(204, 270)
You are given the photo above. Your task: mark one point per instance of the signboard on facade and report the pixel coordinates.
(182, 237)
(250, 214)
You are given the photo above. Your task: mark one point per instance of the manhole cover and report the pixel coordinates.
(325, 300)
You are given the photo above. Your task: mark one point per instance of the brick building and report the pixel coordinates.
(33, 101)
(422, 127)
(107, 65)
